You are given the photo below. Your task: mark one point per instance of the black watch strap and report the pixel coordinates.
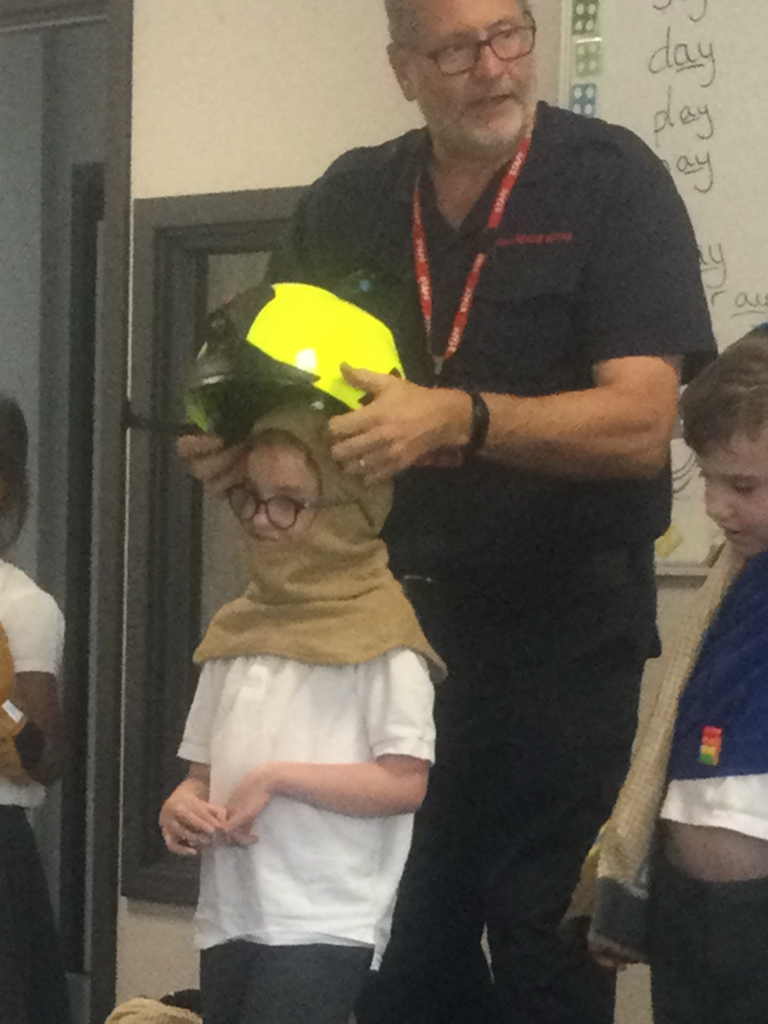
(479, 424)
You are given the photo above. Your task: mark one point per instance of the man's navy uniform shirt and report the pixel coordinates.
(595, 259)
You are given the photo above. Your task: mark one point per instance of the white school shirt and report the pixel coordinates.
(314, 876)
(736, 802)
(35, 630)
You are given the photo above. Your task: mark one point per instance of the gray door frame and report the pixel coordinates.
(109, 498)
(18, 15)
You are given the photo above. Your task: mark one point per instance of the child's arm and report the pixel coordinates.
(35, 694)
(187, 820)
(393, 784)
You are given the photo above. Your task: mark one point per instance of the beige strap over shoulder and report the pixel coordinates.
(150, 1011)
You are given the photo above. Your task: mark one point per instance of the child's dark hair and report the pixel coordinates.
(14, 442)
(730, 396)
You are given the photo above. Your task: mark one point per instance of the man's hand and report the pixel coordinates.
(611, 957)
(210, 461)
(401, 423)
(189, 822)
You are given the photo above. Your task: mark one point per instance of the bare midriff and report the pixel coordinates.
(714, 854)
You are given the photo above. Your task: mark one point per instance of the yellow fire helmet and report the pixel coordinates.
(284, 343)
(313, 330)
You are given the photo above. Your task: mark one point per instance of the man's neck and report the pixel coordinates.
(460, 180)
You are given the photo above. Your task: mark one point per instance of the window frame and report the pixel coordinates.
(25, 14)
(173, 237)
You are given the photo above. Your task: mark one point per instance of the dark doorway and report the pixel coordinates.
(87, 218)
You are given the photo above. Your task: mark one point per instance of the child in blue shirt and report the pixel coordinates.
(679, 876)
(708, 910)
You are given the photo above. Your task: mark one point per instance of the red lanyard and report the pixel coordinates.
(421, 257)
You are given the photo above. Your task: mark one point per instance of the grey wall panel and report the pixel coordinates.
(21, 99)
(74, 112)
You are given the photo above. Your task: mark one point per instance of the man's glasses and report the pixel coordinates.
(510, 43)
(281, 510)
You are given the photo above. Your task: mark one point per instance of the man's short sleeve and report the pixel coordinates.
(642, 292)
(397, 697)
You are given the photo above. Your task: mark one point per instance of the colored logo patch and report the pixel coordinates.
(711, 745)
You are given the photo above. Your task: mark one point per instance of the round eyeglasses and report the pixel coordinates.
(281, 510)
(509, 43)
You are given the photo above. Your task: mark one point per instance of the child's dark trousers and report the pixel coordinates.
(248, 983)
(709, 949)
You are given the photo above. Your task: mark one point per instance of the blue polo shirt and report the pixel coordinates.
(722, 723)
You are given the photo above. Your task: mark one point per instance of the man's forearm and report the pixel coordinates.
(619, 428)
(581, 434)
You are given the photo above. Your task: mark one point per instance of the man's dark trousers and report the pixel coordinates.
(533, 744)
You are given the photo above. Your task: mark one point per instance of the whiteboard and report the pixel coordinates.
(690, 77)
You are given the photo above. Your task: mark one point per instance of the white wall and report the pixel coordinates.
(21, 116)
(243, 94)
(51, 116)
(250, 93)
(74, 134)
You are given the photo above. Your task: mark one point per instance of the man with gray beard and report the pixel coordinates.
(540, 275)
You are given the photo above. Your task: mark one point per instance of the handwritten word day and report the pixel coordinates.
(683, 65)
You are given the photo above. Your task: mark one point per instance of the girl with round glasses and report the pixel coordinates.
(281, 510)
(310, 738)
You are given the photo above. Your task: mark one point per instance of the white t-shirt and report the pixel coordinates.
(735, 802)
(314, 876)
(35, 630)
